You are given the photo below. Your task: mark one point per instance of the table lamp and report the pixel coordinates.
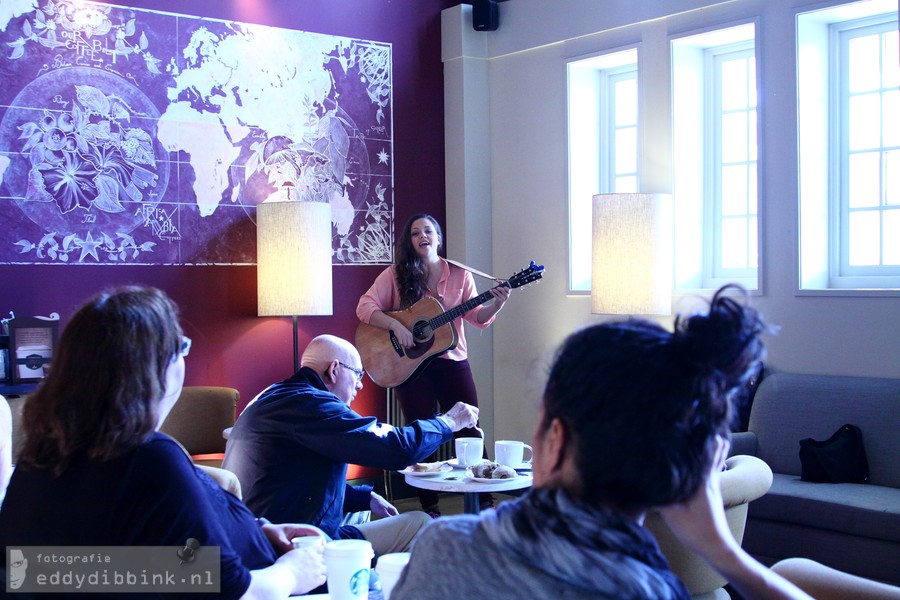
(632, 259)
(293, 243)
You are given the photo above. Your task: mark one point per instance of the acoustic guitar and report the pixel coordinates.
(389, 364)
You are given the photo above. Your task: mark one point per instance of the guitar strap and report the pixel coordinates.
(474, 271)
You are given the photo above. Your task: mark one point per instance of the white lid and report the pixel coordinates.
(392, 563)
(342, 548)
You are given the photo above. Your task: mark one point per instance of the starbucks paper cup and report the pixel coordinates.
(389, 568)
(347, 564)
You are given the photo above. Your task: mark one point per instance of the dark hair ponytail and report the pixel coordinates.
(644, 405)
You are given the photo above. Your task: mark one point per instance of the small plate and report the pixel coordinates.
(454, 464)
(444, 468)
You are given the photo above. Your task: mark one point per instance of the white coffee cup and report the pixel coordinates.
(469, 451)
(347, 565)
(389, 568)
(511, 453)
(306, 541)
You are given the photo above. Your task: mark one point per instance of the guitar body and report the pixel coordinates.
(386, 362)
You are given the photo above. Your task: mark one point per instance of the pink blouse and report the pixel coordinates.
(455, 286)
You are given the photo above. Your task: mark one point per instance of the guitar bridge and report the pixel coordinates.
(396, 344)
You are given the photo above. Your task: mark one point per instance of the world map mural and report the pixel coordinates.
(130, 136)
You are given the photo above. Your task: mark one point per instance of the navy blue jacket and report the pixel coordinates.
(291, 446)
(149, 496)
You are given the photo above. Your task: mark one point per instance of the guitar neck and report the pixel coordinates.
(446, 317)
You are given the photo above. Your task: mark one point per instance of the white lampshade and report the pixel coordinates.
(632, 261)
(293, 245)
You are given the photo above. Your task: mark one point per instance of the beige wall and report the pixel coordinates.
(506, 90)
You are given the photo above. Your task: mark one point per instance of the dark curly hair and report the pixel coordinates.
(412, 278)
(644, 405)
(108, 375)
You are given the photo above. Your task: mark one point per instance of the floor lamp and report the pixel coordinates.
(632, 259)
(293, 245)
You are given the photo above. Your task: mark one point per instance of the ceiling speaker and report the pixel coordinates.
(485, 16)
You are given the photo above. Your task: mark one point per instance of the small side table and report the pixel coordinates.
(457, 482)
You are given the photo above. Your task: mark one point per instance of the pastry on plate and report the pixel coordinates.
(503, 472)
(484, 469)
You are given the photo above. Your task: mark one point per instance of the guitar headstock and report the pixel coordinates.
(529, 274)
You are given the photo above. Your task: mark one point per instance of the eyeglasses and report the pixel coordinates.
(185, 347)
(359, 372)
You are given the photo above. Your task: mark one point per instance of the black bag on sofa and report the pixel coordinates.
(839, 459)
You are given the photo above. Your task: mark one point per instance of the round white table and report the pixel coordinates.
(458, 482)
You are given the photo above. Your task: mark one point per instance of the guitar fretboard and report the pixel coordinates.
(444, 318)
(523, 277)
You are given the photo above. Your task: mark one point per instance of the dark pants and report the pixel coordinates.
(447, 382)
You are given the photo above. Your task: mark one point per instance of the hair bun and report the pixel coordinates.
(725, 340)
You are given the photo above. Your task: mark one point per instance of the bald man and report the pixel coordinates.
(290, 448)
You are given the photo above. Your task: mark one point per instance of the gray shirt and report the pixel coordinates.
(453, 558)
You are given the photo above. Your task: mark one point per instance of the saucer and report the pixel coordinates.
(443, 469)
(519, 476)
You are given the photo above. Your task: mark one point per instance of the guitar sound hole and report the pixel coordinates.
(422, 332)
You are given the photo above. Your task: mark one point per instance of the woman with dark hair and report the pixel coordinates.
(633, 417)
(419, 272)
(95, 472)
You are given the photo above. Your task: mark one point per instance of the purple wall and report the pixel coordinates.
(232, 346)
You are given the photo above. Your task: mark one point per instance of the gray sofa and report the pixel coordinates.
(850, 527)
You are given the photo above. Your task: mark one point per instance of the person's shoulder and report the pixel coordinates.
(456, 272)
(451, 267)
(458, 529)
(444, 551)
(389, 272)
(296, 398)
(161, 452)
(163, 445)
(291, 391)
(157, 467)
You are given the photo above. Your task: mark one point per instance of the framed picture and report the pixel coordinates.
(31, 344)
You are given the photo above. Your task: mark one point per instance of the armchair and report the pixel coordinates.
(746, 479)
(198, 420)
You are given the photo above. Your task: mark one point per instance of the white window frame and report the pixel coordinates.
(609, 175)
(696, 159)
(843, 274)
(592, 147)
(717, 275)
(823, 163)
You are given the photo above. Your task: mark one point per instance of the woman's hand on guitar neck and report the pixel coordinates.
(501, 295)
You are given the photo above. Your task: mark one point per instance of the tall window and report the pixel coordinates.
(603, 145)
(715, 161)
(869, 114)
(620, 130)
(849, 118)
(733, 170)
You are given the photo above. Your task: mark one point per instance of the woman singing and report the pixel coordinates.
(419, 272)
